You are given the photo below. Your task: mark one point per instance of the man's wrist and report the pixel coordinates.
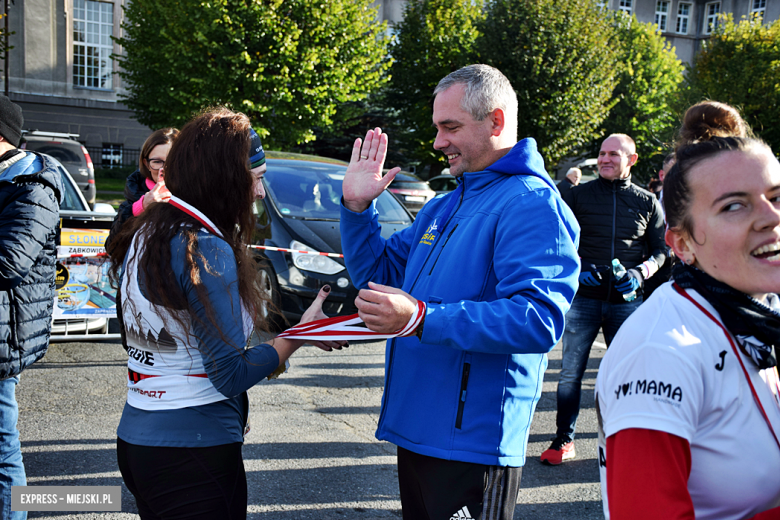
(356, 206)
(419, 331)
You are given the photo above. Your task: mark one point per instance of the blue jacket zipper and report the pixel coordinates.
(422, 269)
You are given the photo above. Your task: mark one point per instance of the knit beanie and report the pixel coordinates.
(256, 152)
(11, 121)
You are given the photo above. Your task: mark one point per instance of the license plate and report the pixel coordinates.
(414, 199)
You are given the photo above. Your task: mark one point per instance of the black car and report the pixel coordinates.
(412, 191)
(443, 184)
(70, 153)
(301, 211)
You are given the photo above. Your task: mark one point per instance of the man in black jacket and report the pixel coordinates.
(619, 220)
(30, 195)
(572, 179)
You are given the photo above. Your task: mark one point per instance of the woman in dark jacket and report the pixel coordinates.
(146, 185)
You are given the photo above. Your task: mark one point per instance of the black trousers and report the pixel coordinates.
(185, 483)
(437, 489)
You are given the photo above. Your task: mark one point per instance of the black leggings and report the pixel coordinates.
(185, 483)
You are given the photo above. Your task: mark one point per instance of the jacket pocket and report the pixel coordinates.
(464, 383)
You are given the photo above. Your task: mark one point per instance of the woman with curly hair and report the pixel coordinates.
(190, 304)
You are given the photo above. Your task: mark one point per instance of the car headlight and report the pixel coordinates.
(315, 263)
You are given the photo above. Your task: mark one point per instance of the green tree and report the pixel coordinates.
(562, 59)
(287, 64)
(353, 120)
(436, 37)
(740, 65)
(649, 79)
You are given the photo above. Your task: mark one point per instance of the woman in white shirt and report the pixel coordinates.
(687, 394)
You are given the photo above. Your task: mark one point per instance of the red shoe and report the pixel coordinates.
(560, 450)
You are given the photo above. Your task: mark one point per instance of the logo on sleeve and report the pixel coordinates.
(665, 392)
(429, 235)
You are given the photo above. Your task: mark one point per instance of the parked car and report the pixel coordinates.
(590, 169)
(301, 211)
(443, 184)
(76, 214)
(412, 191)
(70, 153)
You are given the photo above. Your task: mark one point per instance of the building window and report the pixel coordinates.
(661, 15)
(711, 12)
(759, 6)
(111, 156)
(625, 6)
(683, 17)
(93, 25)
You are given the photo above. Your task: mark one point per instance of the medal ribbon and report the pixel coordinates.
(350, 327)
(195, 213)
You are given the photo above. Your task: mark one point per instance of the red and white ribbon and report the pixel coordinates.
(350, 327)
(203, 219)
(283, 250)
(83, 255)
(195, 213)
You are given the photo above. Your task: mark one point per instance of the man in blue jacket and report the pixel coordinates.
(30, 195)
(495, 263)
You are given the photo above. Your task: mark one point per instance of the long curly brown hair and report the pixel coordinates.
(207, 167)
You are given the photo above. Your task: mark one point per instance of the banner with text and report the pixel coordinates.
(83, 289)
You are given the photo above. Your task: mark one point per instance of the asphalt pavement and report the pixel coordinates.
(311, 453)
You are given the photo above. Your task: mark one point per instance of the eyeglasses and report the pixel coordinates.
(156, 164)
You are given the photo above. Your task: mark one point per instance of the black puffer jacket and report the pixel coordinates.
(30, 196)
(618, 220)
(135, 188)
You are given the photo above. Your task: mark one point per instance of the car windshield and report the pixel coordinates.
(60, 151)
(71, 200)
(312, 191)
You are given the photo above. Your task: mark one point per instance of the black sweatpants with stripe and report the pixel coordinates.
(437, 489)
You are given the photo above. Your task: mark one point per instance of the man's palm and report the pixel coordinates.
(363, 181)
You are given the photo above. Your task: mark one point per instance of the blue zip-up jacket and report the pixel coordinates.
(30, 195)
(498, 278)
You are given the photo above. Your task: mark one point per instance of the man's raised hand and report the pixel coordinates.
(363, 181)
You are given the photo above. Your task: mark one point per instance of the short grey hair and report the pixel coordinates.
(486, 90)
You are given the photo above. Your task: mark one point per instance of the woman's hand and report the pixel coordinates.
(313, 313)
(157, 194)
